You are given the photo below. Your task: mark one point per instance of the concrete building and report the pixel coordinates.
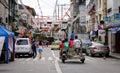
(3, 12)
(113, 25)
(25, 19)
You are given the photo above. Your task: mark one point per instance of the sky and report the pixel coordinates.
(47, 6)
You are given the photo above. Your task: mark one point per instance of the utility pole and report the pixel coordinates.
(58, 12)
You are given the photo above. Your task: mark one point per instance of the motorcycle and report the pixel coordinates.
(72, 54)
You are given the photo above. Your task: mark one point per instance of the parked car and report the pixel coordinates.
(23, 47)
(97, 48)
(55, 45)
(85, 43)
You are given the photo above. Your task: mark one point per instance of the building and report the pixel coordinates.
(113, 25)
(3, 12)
(26, 19)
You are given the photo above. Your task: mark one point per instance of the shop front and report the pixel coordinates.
(6, 45)
(114, 37)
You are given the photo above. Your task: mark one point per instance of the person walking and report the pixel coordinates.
(34, 49)
(40, 49)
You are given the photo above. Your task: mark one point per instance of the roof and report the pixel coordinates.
(5, 32)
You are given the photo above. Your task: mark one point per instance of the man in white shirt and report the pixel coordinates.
(77, 45)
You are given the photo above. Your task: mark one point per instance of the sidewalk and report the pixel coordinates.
(115, 55)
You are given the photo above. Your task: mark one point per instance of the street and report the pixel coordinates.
(50, 63)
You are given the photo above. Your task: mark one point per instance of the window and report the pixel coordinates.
(22, 42)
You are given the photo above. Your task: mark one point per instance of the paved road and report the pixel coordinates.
(50, 63)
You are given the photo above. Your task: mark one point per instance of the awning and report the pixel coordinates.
(111, 26)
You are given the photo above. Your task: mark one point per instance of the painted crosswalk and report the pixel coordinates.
(37, 59)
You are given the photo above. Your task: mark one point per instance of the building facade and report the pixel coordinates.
(113, 25)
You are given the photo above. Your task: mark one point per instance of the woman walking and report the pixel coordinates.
(40, 49)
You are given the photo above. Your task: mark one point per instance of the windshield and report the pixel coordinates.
(22, 42)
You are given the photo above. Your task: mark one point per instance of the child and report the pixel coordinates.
(40, 49)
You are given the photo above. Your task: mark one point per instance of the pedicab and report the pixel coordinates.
(72, 53)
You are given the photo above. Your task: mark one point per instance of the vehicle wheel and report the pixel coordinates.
(90, 54)
(87, 54)
(17, 56)
(100, 55)
(82, 60)
(30, 55)
(107, 55)
(63, 60)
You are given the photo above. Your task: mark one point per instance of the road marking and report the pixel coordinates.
(50, 58)
(28, 59)
(56, 63)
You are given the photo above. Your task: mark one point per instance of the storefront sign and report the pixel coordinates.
(101, 32)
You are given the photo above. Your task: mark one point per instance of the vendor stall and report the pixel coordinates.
(6, 45)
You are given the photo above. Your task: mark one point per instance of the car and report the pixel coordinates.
(97, 48)
(55, 45)
(85, 43)
(23, 47)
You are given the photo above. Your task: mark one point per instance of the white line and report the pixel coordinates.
(50, 58)
(56, 64)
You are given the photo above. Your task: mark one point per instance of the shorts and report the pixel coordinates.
(34, 50)
(40, 50)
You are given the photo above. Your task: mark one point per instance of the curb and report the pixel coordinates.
(114, 57)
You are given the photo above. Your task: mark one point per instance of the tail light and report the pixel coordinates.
(96, 48)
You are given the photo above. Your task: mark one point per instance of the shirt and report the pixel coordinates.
(77, 43)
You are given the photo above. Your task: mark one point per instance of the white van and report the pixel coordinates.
(23, 47)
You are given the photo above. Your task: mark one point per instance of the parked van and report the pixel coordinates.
(23, 47)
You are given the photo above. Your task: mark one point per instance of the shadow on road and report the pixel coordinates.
(73, 62)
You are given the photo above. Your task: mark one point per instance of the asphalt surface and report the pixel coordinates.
(50, 63)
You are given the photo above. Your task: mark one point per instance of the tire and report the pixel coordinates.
(82, 60)
(86, 53)
(107, 55)
(90, 54)
(63, 60)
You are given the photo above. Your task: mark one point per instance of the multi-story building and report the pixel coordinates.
(113, 25)
(25, 18)
(8, 12)
(3, 12)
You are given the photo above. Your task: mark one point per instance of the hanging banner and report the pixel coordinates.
(1, 44)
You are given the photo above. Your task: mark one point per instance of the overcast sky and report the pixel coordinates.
(47, 6)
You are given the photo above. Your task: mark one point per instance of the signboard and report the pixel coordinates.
(101, 32)
(106, 19)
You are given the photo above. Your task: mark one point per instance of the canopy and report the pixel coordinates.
(5, 32)
(9, 37)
